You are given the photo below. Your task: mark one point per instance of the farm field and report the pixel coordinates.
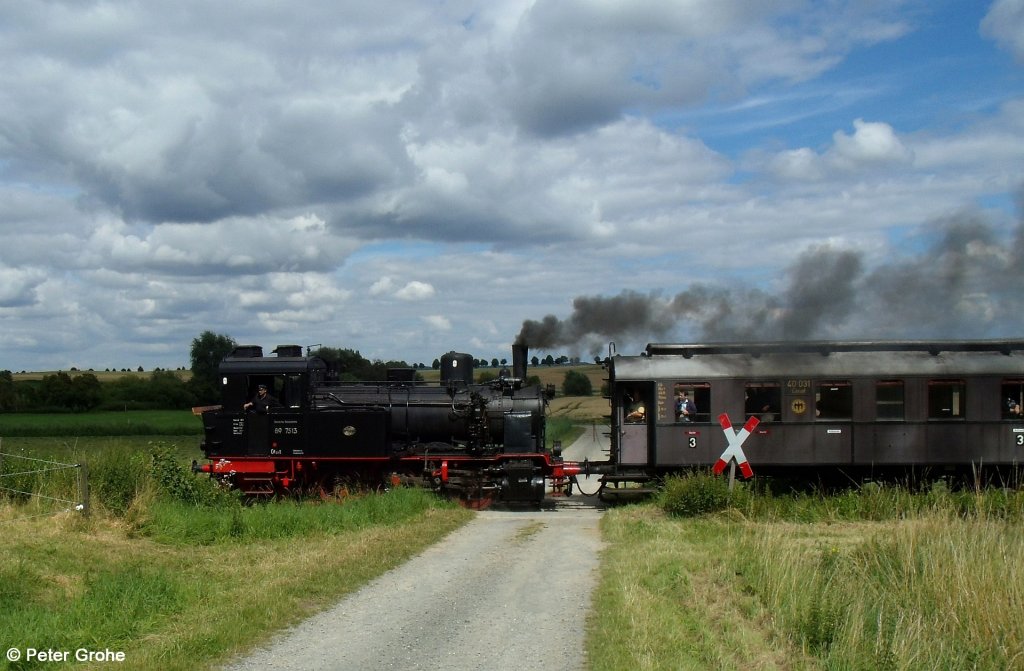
(130, 423)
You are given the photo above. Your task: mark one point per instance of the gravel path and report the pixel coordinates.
(510, 590)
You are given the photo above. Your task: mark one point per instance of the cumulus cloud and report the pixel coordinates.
(231, 246)
(796, 164)
(415, 291)
(351, 174)
(1004, 23)
(438, 322)
(18, 286)
(872, 146)
(871, 143)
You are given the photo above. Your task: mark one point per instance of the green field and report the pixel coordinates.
(130, 423)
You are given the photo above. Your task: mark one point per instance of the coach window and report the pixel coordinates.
(946, 399)
(699, 393)
(889, 400)
(763, 400)
(833, 400)
(1012, 398)
(635, 403)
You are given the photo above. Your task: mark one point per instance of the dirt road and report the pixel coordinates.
(510, 590)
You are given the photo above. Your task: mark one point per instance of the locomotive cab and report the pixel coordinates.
(275, 429)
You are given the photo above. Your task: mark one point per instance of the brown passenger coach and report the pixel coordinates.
(851, 408)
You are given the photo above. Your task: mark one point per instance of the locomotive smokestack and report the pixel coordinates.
(520, 351)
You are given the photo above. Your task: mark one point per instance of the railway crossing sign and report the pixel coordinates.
(735, 449)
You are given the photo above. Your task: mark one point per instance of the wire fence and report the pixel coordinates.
(42, 486)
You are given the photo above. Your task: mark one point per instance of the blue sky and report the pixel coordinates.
(410, 178)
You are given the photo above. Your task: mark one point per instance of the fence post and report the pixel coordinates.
(83, 487)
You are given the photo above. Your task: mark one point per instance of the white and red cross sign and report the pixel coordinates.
(735, 449)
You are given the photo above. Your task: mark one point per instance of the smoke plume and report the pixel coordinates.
(966, 284)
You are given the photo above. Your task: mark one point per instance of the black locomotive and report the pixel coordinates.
(852, 409)
(477, 442)
(811, 410)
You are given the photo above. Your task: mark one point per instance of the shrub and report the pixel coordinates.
(176, 482)
(576, 384)
(697, 493)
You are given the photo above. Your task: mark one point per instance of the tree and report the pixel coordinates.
(576, 384)
(350, 365)
(207, 352)
(61, 391)
(9, 397)
(88, 392)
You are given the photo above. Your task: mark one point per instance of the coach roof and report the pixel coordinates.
(822, 359)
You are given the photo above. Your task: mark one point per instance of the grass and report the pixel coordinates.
(130, 423)
(927, 593)
(178, 574)
(668, 598)
(878, 578)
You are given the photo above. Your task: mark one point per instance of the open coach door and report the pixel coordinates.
(635, 410)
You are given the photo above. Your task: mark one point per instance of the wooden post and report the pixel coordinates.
(83, 487)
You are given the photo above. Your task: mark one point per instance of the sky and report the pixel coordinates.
(409, 178)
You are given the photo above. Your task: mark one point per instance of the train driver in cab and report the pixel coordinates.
(262, 401)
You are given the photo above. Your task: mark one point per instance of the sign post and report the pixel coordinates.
(734, 452)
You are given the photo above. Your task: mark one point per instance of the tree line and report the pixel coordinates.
(176, 390)
(161, 389)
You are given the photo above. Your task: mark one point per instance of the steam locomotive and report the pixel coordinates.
(851, 410)
(476, 442)
(810, 410)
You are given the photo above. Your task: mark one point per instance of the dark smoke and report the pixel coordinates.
(968, 284)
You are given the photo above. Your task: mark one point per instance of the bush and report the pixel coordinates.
(176, 482)
(697, 494)
(576, 384)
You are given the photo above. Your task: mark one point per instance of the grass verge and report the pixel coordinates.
(879, 578)
(669, 598)
(171, 570)
(177, 587)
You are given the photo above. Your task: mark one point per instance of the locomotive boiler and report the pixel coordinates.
(477, 442)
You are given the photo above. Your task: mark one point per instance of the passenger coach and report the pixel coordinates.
(866, 407)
